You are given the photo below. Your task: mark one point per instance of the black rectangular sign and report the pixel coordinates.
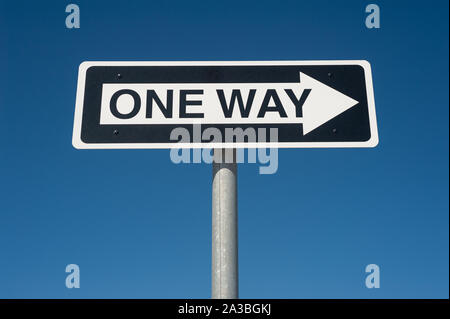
(225, 104)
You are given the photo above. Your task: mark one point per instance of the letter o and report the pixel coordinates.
(136, 107)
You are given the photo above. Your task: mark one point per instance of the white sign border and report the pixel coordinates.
(84, 66)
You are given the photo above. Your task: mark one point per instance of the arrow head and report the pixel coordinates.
(323, 103)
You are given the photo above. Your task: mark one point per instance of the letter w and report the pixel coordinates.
(236, 94)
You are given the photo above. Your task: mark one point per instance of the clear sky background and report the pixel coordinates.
(139, 226)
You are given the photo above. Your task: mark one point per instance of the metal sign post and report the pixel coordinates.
(224, 226)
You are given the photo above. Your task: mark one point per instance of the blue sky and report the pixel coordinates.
(139, 226)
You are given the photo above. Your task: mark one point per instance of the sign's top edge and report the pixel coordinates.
(363, 63)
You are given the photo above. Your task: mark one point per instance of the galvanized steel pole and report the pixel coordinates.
(224, 226)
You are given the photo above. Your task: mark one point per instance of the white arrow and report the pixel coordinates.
(270, 103)
(323, 104)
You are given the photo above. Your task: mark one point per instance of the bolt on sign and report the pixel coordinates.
(310, 103)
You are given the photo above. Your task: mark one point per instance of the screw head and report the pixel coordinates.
(116, 132)
(334, 130)
(119, 76)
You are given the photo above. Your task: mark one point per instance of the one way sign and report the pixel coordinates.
(310, 103)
